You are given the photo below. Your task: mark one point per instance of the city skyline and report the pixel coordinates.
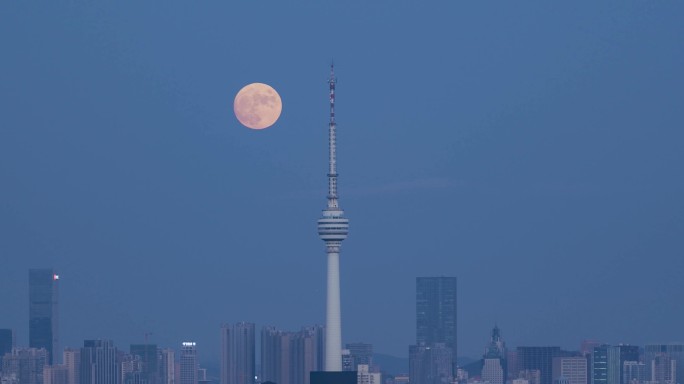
(531, 150)
(289, 357)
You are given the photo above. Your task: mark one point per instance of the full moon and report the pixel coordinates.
(257, 106)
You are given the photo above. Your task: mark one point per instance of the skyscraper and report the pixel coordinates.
(633, 372)
(599, 364)
(436, 313)
(539, 358)
(43, 311)
(361, 354)
(617, 355)
(494, 367)
(99, 363)
(167, 366)
(332, 229)
(571, 368)
(6, 341)
(290, 357)
(72, 361)
(55, 374)
(238, 364)
(674, 351)
(148, 354)
(430, 364)
(607, 362)
(189, 363)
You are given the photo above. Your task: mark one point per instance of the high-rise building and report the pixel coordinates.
(290, 357)
(586, 350)
(167, 366)
(616, 356)
(493, 371)
(361, 354)
(674, 351)
(43, 311)
(238, 360)
(607, 362)
(572, 368)
(663, 369)
(304, 355)
(365, 376)
(25, 364)
(538, 358)
(270, 354)
(72, 362)
(347, 361)
(55, 374)
(430, 364)
(333, 228)
(531, 376)
(6, 341)
(633, 372)
(512, 364)
(436, 314)
(227, 357)
(189, 363)
(99, 363)
(494, 367)
(599, 365)
(148, 354)
(132, 369)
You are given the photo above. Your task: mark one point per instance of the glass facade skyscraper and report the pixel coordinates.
(435, 331)
(43, 311)
(6, 341)
(538, 358)
(436, 311)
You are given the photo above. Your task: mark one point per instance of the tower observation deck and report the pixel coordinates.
(333, 227)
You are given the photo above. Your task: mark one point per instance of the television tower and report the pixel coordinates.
(333, 228)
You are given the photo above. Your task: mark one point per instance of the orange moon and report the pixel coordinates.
(257, 106)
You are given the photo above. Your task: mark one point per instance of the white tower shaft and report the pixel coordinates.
(332, 229)
(333, 318)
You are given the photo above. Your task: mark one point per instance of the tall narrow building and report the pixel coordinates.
(167, 366)
(436, 313)
(189, 364)
(43, 311)
(238, 362)
(333, 227)
(149, 358)
(99, 363)
(6, 342)
(290, 357)
(494, 359)
(72, 361)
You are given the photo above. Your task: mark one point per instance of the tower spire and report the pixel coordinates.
(333, 227)
(332, 145)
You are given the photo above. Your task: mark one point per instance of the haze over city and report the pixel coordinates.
(532, 150)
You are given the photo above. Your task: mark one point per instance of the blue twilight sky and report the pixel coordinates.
(531, 148)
